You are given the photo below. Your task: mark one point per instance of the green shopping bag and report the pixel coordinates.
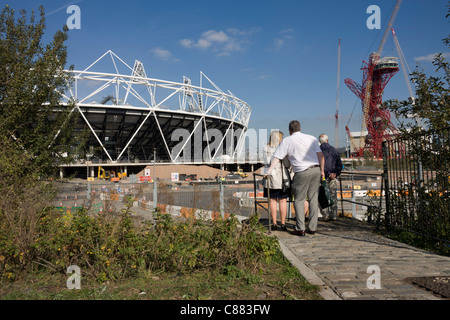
(325, 198)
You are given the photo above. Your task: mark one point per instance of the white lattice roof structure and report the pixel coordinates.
(129, 115)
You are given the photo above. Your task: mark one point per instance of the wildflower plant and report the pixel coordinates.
(114, 245)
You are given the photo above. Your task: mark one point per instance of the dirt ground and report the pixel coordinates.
(202, 171)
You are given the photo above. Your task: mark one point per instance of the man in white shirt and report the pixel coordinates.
(307, 161)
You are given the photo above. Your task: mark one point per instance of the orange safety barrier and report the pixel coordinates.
(345, 195)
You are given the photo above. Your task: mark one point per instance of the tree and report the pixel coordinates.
(32, 79)
(418, 197)
(431, 107)
(35, 131)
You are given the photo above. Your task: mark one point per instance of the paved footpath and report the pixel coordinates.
(338, 258)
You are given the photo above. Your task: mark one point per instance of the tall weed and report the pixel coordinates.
(114, 245)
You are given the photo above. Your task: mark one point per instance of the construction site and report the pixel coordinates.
(132, 145)
(160, 188)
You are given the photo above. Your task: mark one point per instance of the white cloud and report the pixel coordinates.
(264, 76)
(280, 42)
(286, 31)
(203, 44)
(215, 36)
(277, 44)
(188, 43)
(431, 56)
(255, 74)
(163, 54)
(224, 43)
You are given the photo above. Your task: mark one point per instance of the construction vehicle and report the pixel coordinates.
(102, 174)
(110, 175)
(187, 177)
(232, 176)
(122, 175)
(191, 177)
(240, 173)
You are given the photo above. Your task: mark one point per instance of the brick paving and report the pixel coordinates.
(339, 255)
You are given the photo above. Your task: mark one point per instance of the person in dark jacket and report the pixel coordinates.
(333, 168)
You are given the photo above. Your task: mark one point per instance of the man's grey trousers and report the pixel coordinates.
(306, 184)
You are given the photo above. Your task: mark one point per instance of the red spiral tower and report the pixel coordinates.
(376, 120)
(376, 75)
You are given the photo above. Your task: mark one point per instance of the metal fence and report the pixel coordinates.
(186, 199)
(417, 178)
(218, 198)
(95, 196)
(360, 195)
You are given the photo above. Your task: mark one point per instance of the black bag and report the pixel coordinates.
(285, 182)
(325, 198)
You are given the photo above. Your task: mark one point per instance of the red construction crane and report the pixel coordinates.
(376, 75)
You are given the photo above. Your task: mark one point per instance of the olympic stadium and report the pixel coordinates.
(132, 120)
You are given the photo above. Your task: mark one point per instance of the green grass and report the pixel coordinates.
(277, 280)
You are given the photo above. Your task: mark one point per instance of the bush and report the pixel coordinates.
(24, 200)
(112, 246)
(197, 244)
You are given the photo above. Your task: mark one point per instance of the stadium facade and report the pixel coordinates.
(131, 119)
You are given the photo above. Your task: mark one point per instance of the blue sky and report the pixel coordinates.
(278, 56)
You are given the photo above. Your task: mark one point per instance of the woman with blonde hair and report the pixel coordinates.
(274, 182)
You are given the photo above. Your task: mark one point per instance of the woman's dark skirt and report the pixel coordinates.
(277, 193)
